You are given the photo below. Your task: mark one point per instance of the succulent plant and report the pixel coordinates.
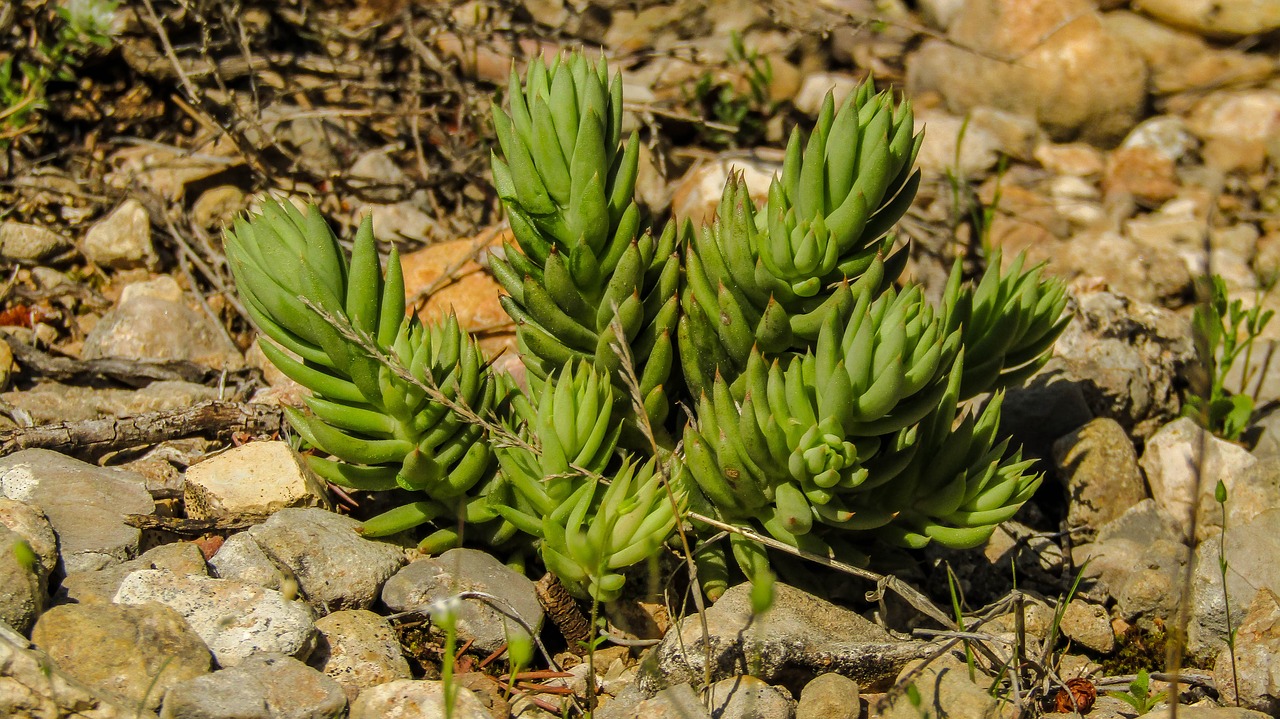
(594, 513)
(770, 279)
(382, 430)
(567, 184)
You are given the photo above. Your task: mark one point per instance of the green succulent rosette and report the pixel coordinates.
(594, 512)
(581, 264)
(382, 430)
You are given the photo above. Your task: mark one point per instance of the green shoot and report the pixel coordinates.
(1139, 695)
(1217, 328)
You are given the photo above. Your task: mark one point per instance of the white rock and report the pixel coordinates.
(979, 149)
(1237, 127)
(256, 478)
(1216, 17)
(1180, 457)
(235, 619)
(122, 239)
(815, 87)
(698, 193)
(415, 699)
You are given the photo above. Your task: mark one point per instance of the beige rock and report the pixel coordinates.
(698, 193)
(359, 649)
(1076, 159)
(217, 205)
(1221, 18)
(1062, 67)
(1181, 458)
(20, 241)
(1180, 61)
(816, 86)
(1237, 128)
(447, 274)
(122, 239)
(258, 478)
(945, 150)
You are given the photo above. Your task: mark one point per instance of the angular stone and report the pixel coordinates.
(945, 689)
(134, 652)
(20, 241)
(1238, 128)
(270, 686)
(235, 620)
(359, 650)
(697, 194)
(1100, 468)
(32, 524)
(1139, 559)
(85, 505)
(258, 478)
(420, 699)
(122, 239)
(799, 636)
(53, 402)
(1255, 667)
(1183, 465)
(152, 323)
(1250, 549)
(426, 581)
(1089, 625)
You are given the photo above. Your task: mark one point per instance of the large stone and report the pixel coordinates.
(1100, 469)
(945, 689)
(415, 699)
(1139, 560)
(426, 581)
(746, 697)
(1052, 60)
(829, 696)
(1143, 271)
(1250, 549)
(86, 505)
(1255, 666)
(235, 620)
(52, 402)
(799, 637)
(1238, 127)
(1225, 18)
(153, 323)
(258, 478)
(335, 567)
(269, 686)
(122, 239)
(33, 687)
(359, 650)
(457, 284)
(1180, 61)
(134, 652)
(1183, 465)
(32, 525)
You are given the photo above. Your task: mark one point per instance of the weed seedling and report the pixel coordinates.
(1139, 695)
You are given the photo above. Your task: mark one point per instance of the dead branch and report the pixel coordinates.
(191, 527)
(96, 437)
(133, 373)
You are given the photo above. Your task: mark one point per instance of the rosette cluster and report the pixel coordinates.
(371, 370)
(582, 269)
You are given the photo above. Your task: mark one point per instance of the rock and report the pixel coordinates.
(86, 505)
(1099, 467)
(472, 294)
(30, 523)
(800, 636)
(166, 172)
(377, 177)
(1129, 358)
(940, 13)
(1253, 668)
(134, 652)
(419, 699)
(52, 402)
(1250, 550)
(697, 195)
(677, 702)
(1181, 61)
(236, 620)
(1076, 159)
(1143, 173)
(334, 566)
(359, 650)
(270, 686)
(745, 697)
(1048, 406)
(1089, 625)
(1071, 74)
(978, 152)
(31, 685)
(217, 206)
(122, 239)
(153, 324)
(829, 696)
(425, 581)
(1138, 559)
(816, 85)
(945, 689)
(258, 478)
(1145, 272)
(401, 221)
(1182, 457)
(32, 243)
(1216, 18)
(100, 585)
(1077, 200)
(21, 589)
(1205, 711)
(1237, 128)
